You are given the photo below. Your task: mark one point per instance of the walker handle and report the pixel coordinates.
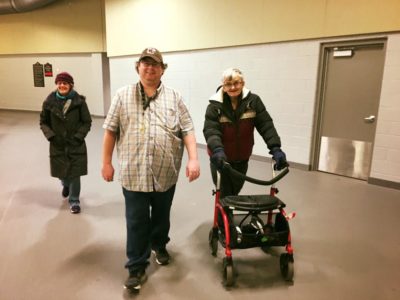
(278, 177)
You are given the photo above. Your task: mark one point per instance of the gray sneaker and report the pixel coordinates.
(75, 208)
(135, 280)
(162, 256)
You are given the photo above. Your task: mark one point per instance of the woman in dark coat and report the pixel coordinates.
(231, 117)
(65, 121)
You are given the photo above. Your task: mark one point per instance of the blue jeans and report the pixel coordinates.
(74, 185)
(147, 224)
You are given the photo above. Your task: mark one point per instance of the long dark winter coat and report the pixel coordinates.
(234, 130)
(66, 133)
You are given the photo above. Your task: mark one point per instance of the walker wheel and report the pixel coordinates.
(287, 266)
(213, 241)
(229, 279)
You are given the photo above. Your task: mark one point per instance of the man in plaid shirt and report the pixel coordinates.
(150, 125)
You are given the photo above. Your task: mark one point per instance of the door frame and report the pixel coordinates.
(321, 82)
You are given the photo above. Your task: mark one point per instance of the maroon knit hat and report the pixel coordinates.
(64, 76)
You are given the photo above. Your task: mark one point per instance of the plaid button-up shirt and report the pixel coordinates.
(149, 142)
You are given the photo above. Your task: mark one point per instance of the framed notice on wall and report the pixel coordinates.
(38, 75)
(48, 70)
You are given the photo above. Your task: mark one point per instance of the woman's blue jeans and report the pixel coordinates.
(147, 224)
(74, 185)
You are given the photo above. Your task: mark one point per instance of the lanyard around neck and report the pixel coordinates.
(146, 99)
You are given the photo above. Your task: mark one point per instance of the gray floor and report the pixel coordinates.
(345, 234)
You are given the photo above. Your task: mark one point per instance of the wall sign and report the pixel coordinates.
(38, 75)
(48, 70)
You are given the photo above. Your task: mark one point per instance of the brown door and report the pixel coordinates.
(350, 91)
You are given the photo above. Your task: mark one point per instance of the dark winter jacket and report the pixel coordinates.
(234, 130)
(66, 133)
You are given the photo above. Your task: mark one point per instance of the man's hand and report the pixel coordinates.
(192, 169)
(107, 172)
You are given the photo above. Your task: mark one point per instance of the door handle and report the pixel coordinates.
(370, 119)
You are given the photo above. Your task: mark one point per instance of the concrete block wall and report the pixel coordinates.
(17, 87)
(386, 156)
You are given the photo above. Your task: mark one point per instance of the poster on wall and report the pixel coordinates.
(38, 75)
(48, 70)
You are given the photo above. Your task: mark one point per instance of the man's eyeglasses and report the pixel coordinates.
(150, 63)
(234, 84)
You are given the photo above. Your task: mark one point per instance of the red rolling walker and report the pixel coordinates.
(258, 221)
